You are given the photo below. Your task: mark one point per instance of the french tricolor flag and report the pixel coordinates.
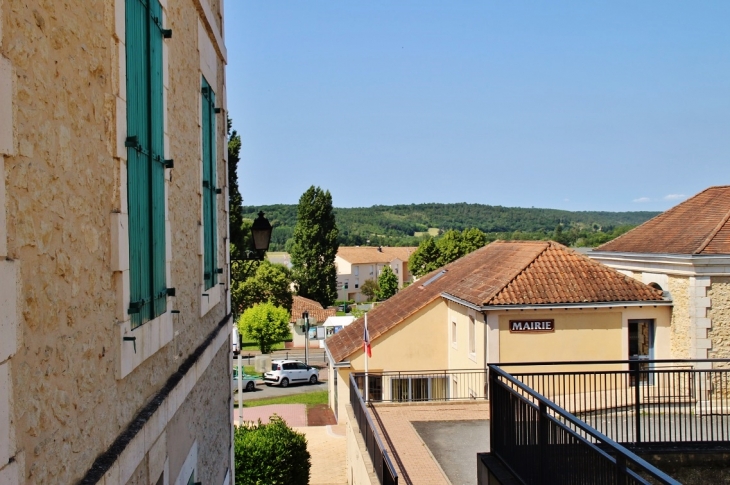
(366, 339)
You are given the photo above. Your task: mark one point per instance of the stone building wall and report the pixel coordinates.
(62, 187)
(719, 335)
(681, 339)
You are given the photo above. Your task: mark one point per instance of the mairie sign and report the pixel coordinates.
(532, 325)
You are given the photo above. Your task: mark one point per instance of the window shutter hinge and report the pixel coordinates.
(205, 89)
(170, 163)
(219, 270)
(136, 306)
(167, 33)
(218, 191)
(206, 275)
(171, 292)
(206, 184)
(131, 142)
(217, 110)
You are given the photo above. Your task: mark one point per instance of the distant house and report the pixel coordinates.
(685, 251)
(519, 301)
(317, 316)
(357, 264)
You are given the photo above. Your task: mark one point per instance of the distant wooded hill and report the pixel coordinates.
(400, 225)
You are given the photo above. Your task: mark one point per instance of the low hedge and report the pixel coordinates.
(270, 454)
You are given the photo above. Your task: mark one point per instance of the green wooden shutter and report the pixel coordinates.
(209, 186)
(145, 160)
(159, 253)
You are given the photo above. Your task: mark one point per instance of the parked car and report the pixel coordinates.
(249, 381)
(284, 372)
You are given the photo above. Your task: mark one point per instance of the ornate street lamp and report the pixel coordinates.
(261, 233)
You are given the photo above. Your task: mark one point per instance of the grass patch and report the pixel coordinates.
(308, 398)
(248, 345)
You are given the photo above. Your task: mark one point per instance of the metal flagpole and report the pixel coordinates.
(364, 347)
(240, 389)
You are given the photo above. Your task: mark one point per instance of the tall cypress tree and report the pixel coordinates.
(240, 229)
(315, 246)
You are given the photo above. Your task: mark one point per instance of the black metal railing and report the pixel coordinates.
(640, 403)
(424, 385)
(384, 468)
(540, 442)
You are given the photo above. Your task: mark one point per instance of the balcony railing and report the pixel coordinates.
(384, 468)
(426, 385)
(641, 404)
(540, 442)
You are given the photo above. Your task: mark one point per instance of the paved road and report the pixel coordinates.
(265, 392)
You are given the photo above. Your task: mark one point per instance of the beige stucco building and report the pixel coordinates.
(685, 251)
(114, 306)
(357, 264)
(507, 302)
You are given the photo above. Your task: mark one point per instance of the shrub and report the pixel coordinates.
(270, 454)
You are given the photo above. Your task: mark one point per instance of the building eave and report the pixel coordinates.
(581, 306)
(679, 264)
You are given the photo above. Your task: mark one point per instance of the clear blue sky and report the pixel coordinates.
(579, 105)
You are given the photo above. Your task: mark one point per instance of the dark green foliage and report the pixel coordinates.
(370, 289)
(396, 225)
(387, 283)
(269, 283)
(314, 247)
(433, 254)
(424, 259)
(240, 228)
(270, 454)
(239, 238)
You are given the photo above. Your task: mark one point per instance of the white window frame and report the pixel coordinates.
(453, 334)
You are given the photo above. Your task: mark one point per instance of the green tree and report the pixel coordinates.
(370, 289)
(315, 246)
(424, 259)
(450, 247)
(270, 453)
(240, 228)
(387, 283)
(473, 239)
(266, 324)
(270, 283)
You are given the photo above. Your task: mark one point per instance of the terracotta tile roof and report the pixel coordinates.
(372, 255)
(501, 273)
(301, 304)
(696, 226)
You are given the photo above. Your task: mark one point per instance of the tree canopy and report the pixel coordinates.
(387, 283)
(408, 225)
(266, 324)
(314, 247)
(370, 289)
(269, 283)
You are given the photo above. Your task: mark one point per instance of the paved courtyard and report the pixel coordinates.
(418, 449)
(328, 447)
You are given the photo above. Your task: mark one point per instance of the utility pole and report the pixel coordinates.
(305, 316)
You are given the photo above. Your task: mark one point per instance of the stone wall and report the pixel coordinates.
(62, 185)
(681, 333)
(719, 335)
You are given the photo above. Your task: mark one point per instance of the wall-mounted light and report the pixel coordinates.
(261, 234)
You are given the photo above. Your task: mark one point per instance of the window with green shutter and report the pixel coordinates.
(210, 190)
(145, 161)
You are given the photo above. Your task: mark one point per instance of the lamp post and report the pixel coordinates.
(305, 316)
(261, 235)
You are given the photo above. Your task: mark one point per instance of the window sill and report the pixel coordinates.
(208, 302)
(149, 338)
(472, 357)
